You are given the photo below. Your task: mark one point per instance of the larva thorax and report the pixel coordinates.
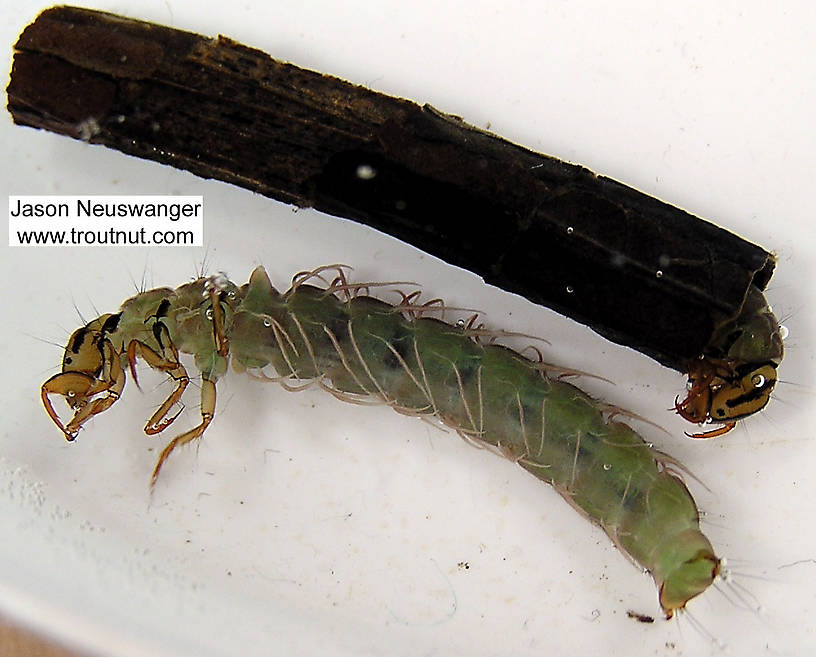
(355, 345)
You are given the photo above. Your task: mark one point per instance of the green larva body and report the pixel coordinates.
(356, 345)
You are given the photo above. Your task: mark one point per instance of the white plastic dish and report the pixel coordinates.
(304, 526)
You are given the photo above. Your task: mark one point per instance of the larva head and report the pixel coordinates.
(737, 374)
(754, 349)
(84, 352)
(688, 567)
(746, 394)
(726, 398)
(90, 365)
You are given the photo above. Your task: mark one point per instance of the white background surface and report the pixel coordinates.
(304, 526)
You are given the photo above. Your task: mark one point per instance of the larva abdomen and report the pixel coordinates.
(491, 393)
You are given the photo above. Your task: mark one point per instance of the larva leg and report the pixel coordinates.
(165, 362)
(219, 332)
(720, 431)
(79, 389)
(96, 406)
(694, 407)
(207, 412)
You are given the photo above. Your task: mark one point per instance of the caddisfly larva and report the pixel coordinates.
(359, 347)
(736, 375)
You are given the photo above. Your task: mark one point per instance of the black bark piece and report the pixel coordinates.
(637, 270)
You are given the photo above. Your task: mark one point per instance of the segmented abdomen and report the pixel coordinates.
(420, 365)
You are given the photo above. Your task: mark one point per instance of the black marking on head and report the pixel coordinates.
(79, 338)
(111, 323)
(747, 368)
(753, 395)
